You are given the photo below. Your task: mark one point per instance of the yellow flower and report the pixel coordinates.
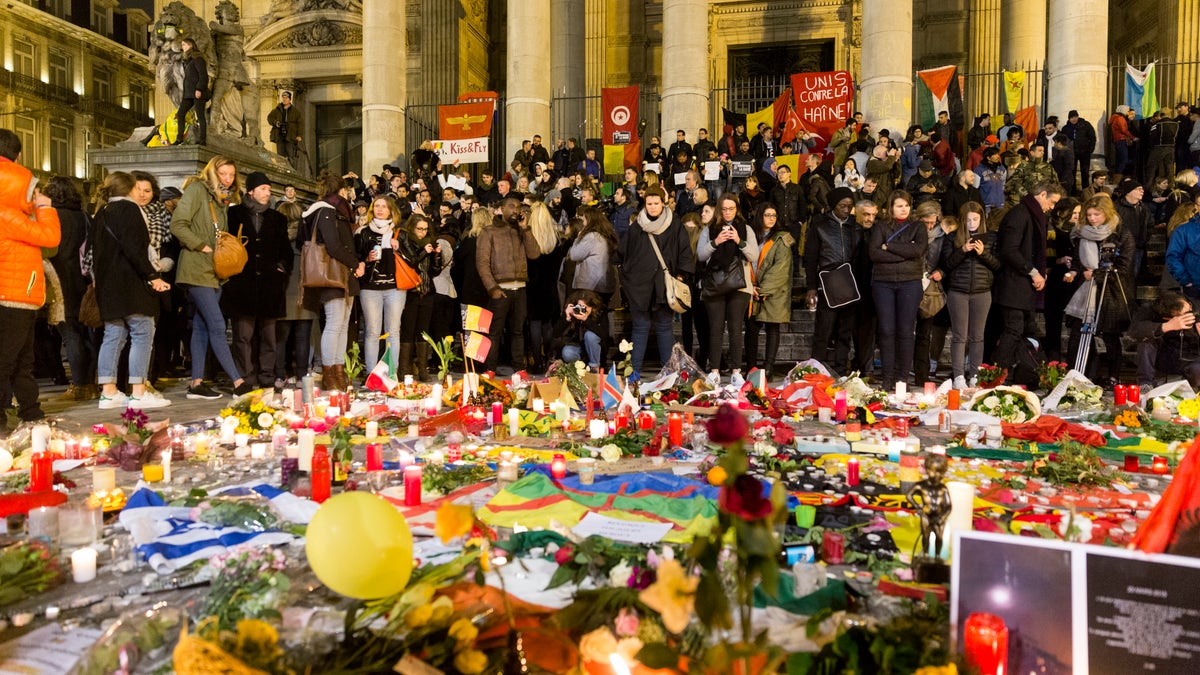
(672, 595)
(421, 594)
(948, 669)
(717, 475)
(463, 631)
(597, 645)
(418, 616)
(470, 661)
(453, 521)
(443, 609)
(254, 631)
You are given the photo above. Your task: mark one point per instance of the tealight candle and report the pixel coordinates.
(436, 458)
(332, 414)
(506, 472)
(597, 429)
(930, 389)
(408, 380)
(201, 446)
(83, 565)
(454, 452)
(538, 406)
(558, 466)
(258, 451)
(306, 442)
(152, 473)
(431, 408)
(406, 459)
(825, 415)
(1159, 465)
(372, 429)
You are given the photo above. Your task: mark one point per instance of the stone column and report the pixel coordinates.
(383, 93)
(1023, 45)
(685, 87)
(1078, 59)
(567, 73)
(527, 105)
(886, 87)
(625, 43)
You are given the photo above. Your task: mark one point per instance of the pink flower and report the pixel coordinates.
(563, 555)
(626, 624)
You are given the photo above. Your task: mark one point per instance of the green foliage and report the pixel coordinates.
(1075, 464)
(354, 364)
(920, 637)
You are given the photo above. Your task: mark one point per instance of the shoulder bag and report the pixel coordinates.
(229, 254)
(679, 294)
(838, 285)
(407, 278)
(318, 269)
(718, 281)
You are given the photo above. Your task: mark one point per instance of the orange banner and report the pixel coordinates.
(465, 120)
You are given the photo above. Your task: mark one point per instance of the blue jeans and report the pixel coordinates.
(896, 304)
(208, 329)
(138, 328)
(333, 338)
(381, 312)
(661, 317)
(591, 342)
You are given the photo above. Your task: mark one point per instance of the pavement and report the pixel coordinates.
(87, 413)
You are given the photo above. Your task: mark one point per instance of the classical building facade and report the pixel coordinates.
(75, 77)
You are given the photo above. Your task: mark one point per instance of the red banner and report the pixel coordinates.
(619, 106)
(465, 120)
(824, 101)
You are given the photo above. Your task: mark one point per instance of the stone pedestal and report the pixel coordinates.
(1078, 59)
(383, 93)
(685, 87)
(887, 72)
(172, 165)
(528, 102)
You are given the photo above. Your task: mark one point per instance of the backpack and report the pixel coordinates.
(1024, 370)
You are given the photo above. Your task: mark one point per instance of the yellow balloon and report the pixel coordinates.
(360, 546)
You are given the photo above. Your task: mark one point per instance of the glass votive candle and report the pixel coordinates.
(104, 479)
(586, 466)
(241, 440)
(258, 451)
(79, 524)
(152, 472)
(43, 523)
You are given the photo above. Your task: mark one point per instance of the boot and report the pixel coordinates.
(422, 361)
(404, 364)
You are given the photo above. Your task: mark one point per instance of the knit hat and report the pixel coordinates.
(838, 194)
(552, 195)
(169, 193)
(926, 165)
(256, 179)
(1122, 109)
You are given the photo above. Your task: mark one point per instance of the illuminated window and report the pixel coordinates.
(101, 84)
(26, 130)
(61, 72)
(25, 57)
(137, 97)
(60, 149)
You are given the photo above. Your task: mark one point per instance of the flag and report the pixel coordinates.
(793, 126)
(823, 102)
(618, 157)
(764, 116)
(757, 378)
(610, 389)
(1161, 530)
(465, 120)
(477, 347)
(1014, 87)
(1027, 119)
(620, 112)
(733, 118)
(477, 319)
(790, 161)
(1141, 90)
(938, 90)
(379, 379)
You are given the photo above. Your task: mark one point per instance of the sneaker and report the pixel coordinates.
(291, 382)
(278, 384)
(736, 379)
(244, 388)
(203, 391)
(117, 400)
(960, 382)
(974, 381)
(148, 399)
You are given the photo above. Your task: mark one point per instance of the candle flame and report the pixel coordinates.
(618, 664)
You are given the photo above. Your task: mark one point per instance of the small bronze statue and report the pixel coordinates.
(934, 509)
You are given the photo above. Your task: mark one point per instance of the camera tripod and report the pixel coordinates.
(1087, 331)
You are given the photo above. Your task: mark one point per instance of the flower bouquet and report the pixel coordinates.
(991, 376)
(1050, 374)
(248, 582)
(26, 569)
(252, 413)
(137, 441)
(1010, 404)
(1074, 391)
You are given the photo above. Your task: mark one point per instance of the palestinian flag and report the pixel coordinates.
(938, 90)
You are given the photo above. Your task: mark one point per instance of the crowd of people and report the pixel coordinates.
(902, 242)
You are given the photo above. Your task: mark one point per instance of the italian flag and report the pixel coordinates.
(937, 90)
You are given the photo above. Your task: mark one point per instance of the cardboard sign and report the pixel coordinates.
(465, 151)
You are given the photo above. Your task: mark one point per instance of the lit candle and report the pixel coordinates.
(901, 389)
(675, 429)
(560, 411)
(412, 485)
(852, 471)
(597, 429)
(39, 438)
(985, 642)
(514, 421)
(558, 466)
(41, 472)
(646, 419)
(497, 412)
(516, 380)
(506, 472)
(228, 430)
(332, 414)
(930, 388)
(152, 473)
(431, 407)
(825, 415)
(406, 459)
(72, 449)
(85, 448)
(953, 399)
(43, 523)
(374, 457)
(1134, 394)
(104, 479)
(538, 406)
(166, 464)
(279, 441)
(372, 430)
(241, 440)
(287, 398)
(83, 565)
(1159, 466)
(258, 450)
(1119, 394)
(454, 452)
(436, 394)
(436, 458)
(408, 380)
(618, 664)
(306, 441)
(622, 419)
(839, 406)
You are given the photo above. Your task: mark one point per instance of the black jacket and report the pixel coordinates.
(956, 196)
(571, 332)
(427, 265)
(917, 181)
(260, 289)
(74, 224)
(465, 275)
(968, 272)
(829, 244)
(378, 275)
(333, 223)
(641, 274)
(1083, 138)
(1020, 247)
(903, 259)
(793, 207)
(1137, 219)
(195, 77)
(121, 263)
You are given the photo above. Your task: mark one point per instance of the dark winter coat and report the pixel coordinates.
(121, 264)
(260, 289)
(1119, 299)
(465, 275)
(968, 272)
(333, 223)
(641, 275)
(426, 264)
(195, 77)
(898, 250)
(1136, 219)
(74, 224)
(956, 196)
(1020, 247)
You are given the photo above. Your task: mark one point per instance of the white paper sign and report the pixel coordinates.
(466, 151)
(621, 530)
(48, 649)
(652, 166)
(712, 171)
(680, 178)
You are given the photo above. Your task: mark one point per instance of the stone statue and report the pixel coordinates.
(239, 117)
(934, 507)
(176, 22)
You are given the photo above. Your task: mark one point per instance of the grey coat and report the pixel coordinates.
(593, 267)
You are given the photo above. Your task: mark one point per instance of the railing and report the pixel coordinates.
(421, 123)
(128, 118)
(31, 86)
(984, 92)
(1175, 80)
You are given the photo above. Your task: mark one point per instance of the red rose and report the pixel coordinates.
(784, 434)
(564, 555)
(745, 499)
(728, 426)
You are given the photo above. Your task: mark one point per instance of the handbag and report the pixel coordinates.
(679, 294)
(718, 281)
(839, 286)
(229, 253)
(932, 301)
(318, 269)
(89, 309)
(407, 278)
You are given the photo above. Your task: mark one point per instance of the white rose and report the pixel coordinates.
(1018, 417)
(626, 346)
(765, 449)
(610, 452)
(618, 577)
(991, 401)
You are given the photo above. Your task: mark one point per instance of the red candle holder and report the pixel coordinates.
(1132, 463)
(646, 419)
(558, 467)
(453, 452)
(1119, 394)
(985, 643)
(852, 471)
(41, 472)
(374, 457)
(1159, 466)
(412, 485)
(833, 547)
(622, 421)
(1133, 394)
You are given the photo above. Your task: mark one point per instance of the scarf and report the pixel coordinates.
(383, 228)
(256, 211)
(1089, 238)
(654, 226)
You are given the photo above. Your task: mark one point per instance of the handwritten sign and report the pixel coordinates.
(466, 151)
(824, 101)
(621, 530)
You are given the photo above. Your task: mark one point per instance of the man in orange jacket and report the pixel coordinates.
(27, 225)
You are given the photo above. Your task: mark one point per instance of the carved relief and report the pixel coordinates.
(281, 9)
(320, 33)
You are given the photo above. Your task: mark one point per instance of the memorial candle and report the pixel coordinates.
(537, 405)
(39, 438)
(852, 471)
(1119, 394)
(558, 466)
(412, 485)
(514, 421)
(839, 406)
(372, 430)
(675, 429)
(305, 439)
(41, 472)
(166, 464)
(497, 413)
(953, 399)
(622, 419)
(322, 474)
(901, 390)
(985, 643)
(374, 457)
(83, 565)
(1134, 394)
(646, 419)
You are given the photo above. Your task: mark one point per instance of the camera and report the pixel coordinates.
(1108, 255)
(579, 308)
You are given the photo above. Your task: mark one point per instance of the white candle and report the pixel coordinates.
(824, 415)
(901, 389)
(289, 399)
(436, 394)
(166, 457)
(516, 380)
(258, 451)
(560, 411)
(414, 431)
(228, 430)
(962, 507)
(104, 479)
(372, 429)
(306, 440)
(436, 458)
(39, 438)
(538, 406)
(241, 440)
(514, 422)
(408, 380)
(83, 565)
(85, 448)
(598, 429)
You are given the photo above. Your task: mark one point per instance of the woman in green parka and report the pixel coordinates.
(200, 214)
(772, 304)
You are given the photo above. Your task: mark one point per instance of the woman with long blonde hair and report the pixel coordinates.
(1102, 242)
(544, 304)
(201, 213)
